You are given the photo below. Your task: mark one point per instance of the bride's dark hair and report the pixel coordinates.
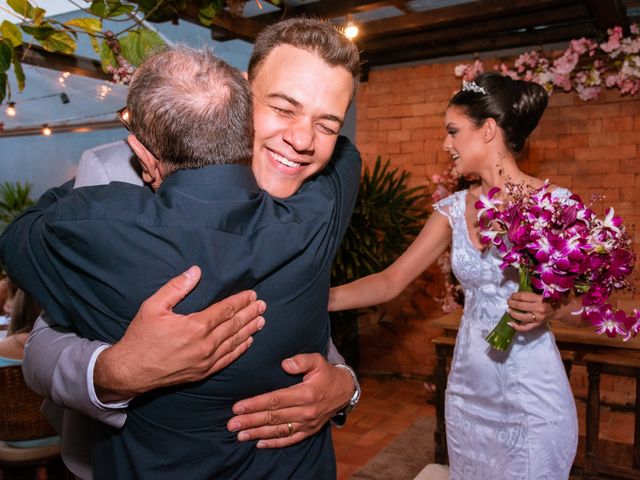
(515, 105)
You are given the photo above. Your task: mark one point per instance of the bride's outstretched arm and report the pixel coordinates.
(386, 285)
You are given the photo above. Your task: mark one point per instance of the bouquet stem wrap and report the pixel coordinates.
(501, 336)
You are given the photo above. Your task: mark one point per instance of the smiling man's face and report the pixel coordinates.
(299, 106)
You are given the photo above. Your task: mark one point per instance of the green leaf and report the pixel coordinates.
(6, 54)
(40, 33)
(206, 14)
(11, 33)
(138, 43)
(37, 15)
(107, 57)
(59, 42)
(118, 9)
(99, 8)
(92, 25)
(94, 44)
(18, 71)
(21, 7)
(4, 86)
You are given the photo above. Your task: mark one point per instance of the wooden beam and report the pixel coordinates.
(527, 39)
(326, 9)
(457, 15)
(70, 127)
(237, 27)
(552, 16)
(609, 14)
(83, 66)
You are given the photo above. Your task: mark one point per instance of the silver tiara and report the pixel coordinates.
(472, 87)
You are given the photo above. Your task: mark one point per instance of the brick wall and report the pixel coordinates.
(588, 147)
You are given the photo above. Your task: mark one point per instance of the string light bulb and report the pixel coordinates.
(46, 131)
(351, 29)
(11, 110)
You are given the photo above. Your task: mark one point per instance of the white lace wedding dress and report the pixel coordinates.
(509, 415)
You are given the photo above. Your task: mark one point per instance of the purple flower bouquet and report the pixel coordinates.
(560, 247)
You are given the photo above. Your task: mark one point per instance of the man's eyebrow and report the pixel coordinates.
(295, 103)
(284, 97)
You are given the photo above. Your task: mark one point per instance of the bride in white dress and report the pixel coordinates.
(509, 415)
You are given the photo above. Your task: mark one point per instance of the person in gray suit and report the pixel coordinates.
(67, 369)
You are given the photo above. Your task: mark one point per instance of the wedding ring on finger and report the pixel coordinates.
(290, 425)
(533, 317)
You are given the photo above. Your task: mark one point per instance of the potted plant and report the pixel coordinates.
(14, 198)
(387, 216)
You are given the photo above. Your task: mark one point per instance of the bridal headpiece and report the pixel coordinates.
(472, 87)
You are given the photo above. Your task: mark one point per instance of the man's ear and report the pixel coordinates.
(245, 75)
(489, 130)
(151, 172)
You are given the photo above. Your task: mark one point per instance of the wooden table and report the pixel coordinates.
(574, 344)
(582, 340)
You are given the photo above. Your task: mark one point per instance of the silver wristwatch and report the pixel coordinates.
(340, 417)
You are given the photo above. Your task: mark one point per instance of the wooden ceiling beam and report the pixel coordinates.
(609, 14)
(237, 27)
(83, 66)
(62, 128)
(326, 9)
(552, 16)
(516, 40)
(457, 15)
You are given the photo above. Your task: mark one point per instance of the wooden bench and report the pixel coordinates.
(444, 352)
(610, 364)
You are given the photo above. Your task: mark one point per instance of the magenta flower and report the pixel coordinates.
(608, 321)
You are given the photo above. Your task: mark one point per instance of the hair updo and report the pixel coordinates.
(515, 105)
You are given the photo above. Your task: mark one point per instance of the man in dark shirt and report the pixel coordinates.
(86, 241)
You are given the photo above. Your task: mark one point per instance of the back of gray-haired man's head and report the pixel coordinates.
(191, 109)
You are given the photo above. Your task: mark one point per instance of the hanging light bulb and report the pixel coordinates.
(11, 110)
(46, 131)
(351, 29)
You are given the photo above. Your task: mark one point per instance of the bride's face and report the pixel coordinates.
(464, 142)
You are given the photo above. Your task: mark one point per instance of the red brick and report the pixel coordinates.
(388, 148)
(586, 126)
(389, 124)
(606, 110)
(630, 108)
(569, 113)
(629, 137)
(603, 166)
(560, 99)
(428, 108)
(412, 147)
(400, 111)
(618, 124)
(399, 135)
(600, 139)
(555, 127)
(412, 123)
(573, 140)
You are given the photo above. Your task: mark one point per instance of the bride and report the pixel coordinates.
(509, 415)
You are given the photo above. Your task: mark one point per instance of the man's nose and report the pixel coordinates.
(300, 135)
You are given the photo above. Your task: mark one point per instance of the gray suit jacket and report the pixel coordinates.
(56, 362)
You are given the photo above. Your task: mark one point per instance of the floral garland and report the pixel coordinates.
(586, 66)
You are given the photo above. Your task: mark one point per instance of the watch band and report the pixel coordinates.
(340, 417)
